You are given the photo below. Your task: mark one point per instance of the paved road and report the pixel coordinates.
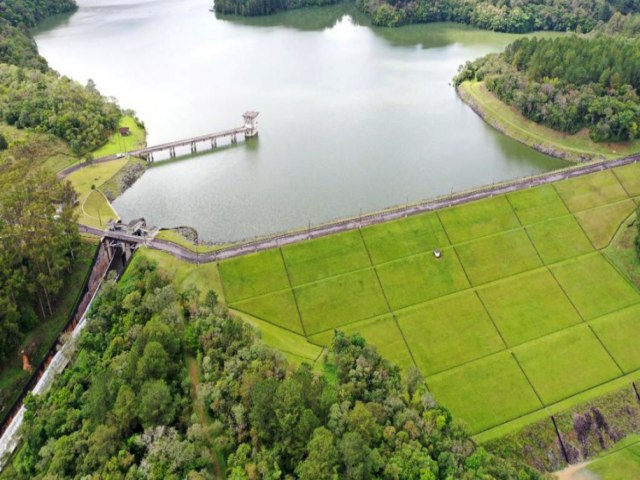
(365, 220)
(65, 172)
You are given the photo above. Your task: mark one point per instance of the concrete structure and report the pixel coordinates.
(249, 129)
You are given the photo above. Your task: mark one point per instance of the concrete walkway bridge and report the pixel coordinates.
(249, 129)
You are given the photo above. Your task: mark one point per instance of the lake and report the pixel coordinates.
(352, 118)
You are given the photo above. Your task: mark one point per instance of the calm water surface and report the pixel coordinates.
(352, 118)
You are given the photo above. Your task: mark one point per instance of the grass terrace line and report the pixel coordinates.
(522, 299)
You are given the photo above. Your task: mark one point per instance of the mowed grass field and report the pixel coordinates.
(522, 311)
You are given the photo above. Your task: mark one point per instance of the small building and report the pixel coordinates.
(124, 131)
(250, 123)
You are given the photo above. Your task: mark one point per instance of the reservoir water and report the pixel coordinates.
(352, 118)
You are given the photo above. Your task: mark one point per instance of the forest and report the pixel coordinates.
(168, 385)
(502, 16)
(252, 8)
(568, 83)
(34, 96)
(38, 237)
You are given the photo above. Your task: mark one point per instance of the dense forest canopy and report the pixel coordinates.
(49, 103)
(33, 96)
(568, 83)
(38, 237)
(125, 408)
(252, 8)
(499, 15)
(28, 13)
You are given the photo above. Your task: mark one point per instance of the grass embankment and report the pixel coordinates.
(97, 183)
(119, 144)
(94, 208)
(522, 297)
(174, 236)
(508, 120)
(39, 340)
(621, 463)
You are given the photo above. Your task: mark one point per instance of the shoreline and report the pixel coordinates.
(506, 120)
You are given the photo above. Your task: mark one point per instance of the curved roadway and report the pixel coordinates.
(365, 220)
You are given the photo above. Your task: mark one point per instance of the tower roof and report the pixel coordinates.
(250, 114)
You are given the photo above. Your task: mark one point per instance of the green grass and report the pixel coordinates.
(498, 256)
(96, 210)
(325, 257)
(589, 191)
(601, 223)
(420, 278)
(340, 300)
(629, 177)
(594, 286)
(537, 204)
(277, 308)
(114, 187)
(185, 275)
(253, 275)
(565, 363)
(459, 330)
(622, 251)
(174, 236)
(618, 332)
(559, 239)
(477, 219)
(508, 120)
(528, 306)
(485, 393)
(624, 464)
(286, 341)
(382, 332)
(93, 207)
(416, 234)
(521, 271)
(119, 144)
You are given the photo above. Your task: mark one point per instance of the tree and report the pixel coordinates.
(359, 460)
(3, 143)
(322, 459)
(155, 407)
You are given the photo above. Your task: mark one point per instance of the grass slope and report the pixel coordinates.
(508, 120)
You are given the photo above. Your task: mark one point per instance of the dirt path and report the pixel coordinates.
(573, 472)
(366, 220)
(194, 376)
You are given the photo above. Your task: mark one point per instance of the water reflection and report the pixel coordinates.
(352, 117)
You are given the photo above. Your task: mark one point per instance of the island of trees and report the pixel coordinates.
(568, 83)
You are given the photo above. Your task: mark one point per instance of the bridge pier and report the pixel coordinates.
(249, 129)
